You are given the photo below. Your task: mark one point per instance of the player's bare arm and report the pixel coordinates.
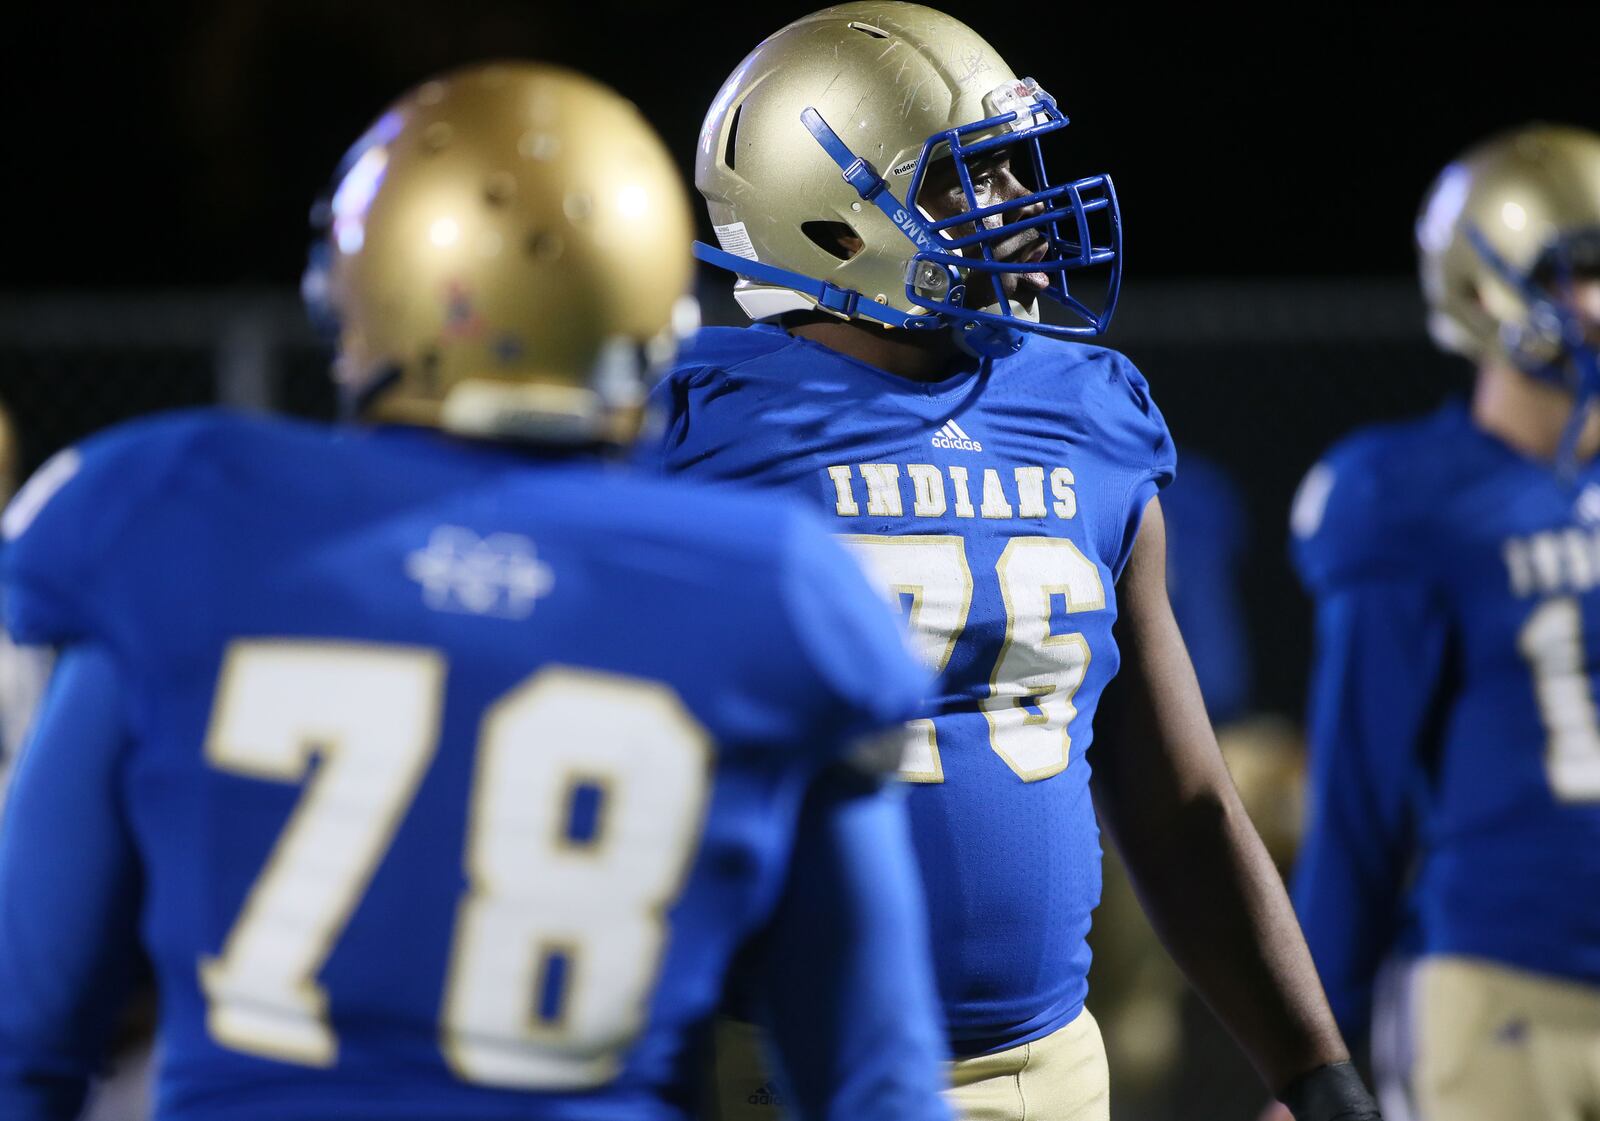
(1202, 873)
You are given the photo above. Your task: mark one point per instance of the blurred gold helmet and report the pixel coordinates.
(826, 130)
(1499, 230)
(505, 254)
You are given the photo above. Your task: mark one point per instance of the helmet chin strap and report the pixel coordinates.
(990, 340)
(1586, 362)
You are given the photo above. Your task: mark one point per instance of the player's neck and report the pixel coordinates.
(1527, 414)
(914, 355)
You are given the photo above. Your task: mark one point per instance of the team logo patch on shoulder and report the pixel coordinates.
(952, 436)
(1311, 501)
(1587, 508)
(499, 576)
(36, 494)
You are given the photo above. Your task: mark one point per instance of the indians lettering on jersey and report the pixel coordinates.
(1019, 492)
(1557, 562)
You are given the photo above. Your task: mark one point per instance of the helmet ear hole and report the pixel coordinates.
(733, 136)
(835, 238)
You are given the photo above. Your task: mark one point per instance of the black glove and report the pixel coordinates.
(1330, 1093)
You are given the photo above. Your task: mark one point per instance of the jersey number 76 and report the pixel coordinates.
(1029, 707)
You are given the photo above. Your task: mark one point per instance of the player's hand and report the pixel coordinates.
(1333, 1092)
(1276, 1111)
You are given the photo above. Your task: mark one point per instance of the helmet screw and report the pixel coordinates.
(538, 145)
(437, 136)
(500, 188)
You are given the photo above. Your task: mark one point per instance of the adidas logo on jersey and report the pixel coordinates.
(951, 436)
(766, 1094)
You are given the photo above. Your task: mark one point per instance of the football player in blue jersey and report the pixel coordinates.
(875, 177)
(438, 768)
(1454, 561)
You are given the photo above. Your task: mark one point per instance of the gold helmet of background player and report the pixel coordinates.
(1532, 196)
(894, 83)
(507, 250)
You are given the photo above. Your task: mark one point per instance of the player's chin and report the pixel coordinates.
(1024, 288)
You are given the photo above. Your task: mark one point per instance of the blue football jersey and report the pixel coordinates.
(1207, 534)
(997, 509)
(1454, 736)
(448, 782)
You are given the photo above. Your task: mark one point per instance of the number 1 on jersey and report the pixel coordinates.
(1552, 643)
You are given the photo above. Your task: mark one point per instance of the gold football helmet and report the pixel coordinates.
(1500, 231)
(821, 139)
(505, 253)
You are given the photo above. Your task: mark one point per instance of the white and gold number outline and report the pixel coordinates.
(370, 714)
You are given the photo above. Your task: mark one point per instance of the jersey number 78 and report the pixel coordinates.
(558, 937)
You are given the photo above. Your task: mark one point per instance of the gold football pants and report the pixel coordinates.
(1500, 1044)
(1061, 1077)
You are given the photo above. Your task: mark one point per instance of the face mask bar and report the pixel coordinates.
(939, 273)
(1029, 114)
(1576, 364)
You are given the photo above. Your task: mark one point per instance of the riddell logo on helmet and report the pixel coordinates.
(951, 436)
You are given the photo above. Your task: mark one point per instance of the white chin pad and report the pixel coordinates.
(1018, 311)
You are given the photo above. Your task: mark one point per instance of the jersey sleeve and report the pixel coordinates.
(845, 981)
(61, 528)
(1145, 444)
(689, 419)
(1206, 533)
(710, 409)
(69, 890)
(662, 418)
(44, 563)
(1381, 660)
(852, 640)
(1349, 523)
(1383, 643)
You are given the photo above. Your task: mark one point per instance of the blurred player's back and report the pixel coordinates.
(451, 773)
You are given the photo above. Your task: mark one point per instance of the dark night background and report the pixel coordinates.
(173, 143)
(1269, 164)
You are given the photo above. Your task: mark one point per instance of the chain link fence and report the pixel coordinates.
(1256, 376)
